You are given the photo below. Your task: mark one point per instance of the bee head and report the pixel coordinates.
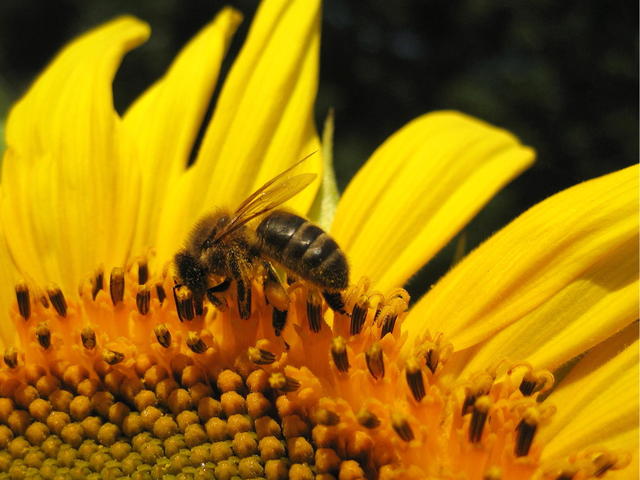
(191, 271)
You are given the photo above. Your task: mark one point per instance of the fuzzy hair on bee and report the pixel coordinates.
(223, 248)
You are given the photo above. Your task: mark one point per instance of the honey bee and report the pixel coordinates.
(223, 247)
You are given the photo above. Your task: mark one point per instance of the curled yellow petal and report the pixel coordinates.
(597, 401)
(165, 120)
(419, 189)
(574, 237)
(263, 120)
(66, 173)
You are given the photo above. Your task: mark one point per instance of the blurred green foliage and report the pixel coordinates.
(563, 76)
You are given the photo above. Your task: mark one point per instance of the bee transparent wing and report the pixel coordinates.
(271, 195)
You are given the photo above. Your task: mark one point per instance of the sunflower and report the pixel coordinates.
(111, 370)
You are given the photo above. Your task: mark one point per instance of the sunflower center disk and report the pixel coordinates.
(137, 379)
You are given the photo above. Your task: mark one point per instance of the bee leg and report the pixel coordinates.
(276, 296)
(244, 297)
(335, 301)
(218, 302)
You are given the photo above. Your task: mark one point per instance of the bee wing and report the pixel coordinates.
(271, 195)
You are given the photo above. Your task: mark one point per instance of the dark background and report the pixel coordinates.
(563, 76)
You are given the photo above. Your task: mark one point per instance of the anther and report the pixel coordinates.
(359, 315)
(401, 426)
(11, 357)
(97, 284)
(88, 337)
(367, 419)
(278, 320)
(339, 354)
(478, 418)
(195, 343)
(314, 311)
(57, 300)
(184, 303)
(112, 357)
(43, 335)
(602, 463)
(535, 382)
(526, 430)
(163, 335)
(432, 357)
(143, 299)
(389, 318)
(160, 292)
(24, 300)
(375, 361)
(283, 383)
(414, 379)
(481, 385)
(260, 356)
(322, 416)
(143, 272)
(116, 285)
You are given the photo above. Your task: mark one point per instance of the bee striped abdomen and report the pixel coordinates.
(305, 249)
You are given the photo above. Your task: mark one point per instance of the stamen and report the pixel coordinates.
(112, 357)
(536, 382)
(43, 335)
(359, 315)
(526, 430)
(367, 419)
(163, 335)
(478, 418)
(314, 311)
(57, 300)
(88, 337)
(143, 300)
(339, 354)
(283, 383)
(160, 292)
(97, 284)
(195, 343)
(389, 318)
(143, 272)
(401, 426)
(322, 416)
(432, 358)
(116, 285)
(24, 300)
(184, 303)
(414, 379)
(375, 361)
(480, 385)
(602, 463)
(278, 320)
(11, 357)
(260, 356)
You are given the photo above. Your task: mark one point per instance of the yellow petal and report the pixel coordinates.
(165, 120)
(66, 175)
(9, 277)
(600, 303)
(263, 120)
(597, 401)
(573, 237)
(419, 189)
